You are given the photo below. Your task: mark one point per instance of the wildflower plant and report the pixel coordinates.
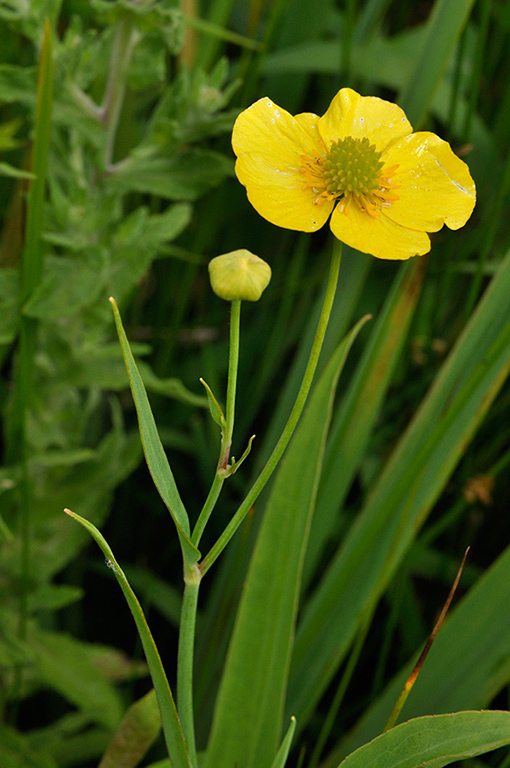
(295, 572)
(383, 186)
(349, 161)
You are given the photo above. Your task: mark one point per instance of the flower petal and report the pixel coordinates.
(350, 114)
(269, 143)
(436, 186)
(278, 195)
(380, 236)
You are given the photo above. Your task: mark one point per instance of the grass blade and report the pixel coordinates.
(169, 718)
(249, 710)
(402, 498)
(444, 27)
(466, 667)
(283, 752)
(353, 423)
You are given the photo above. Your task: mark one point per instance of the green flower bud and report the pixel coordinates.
(239, 276)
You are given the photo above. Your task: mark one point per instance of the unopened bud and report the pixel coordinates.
(239, 276)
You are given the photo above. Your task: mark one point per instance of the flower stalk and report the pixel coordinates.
(288, 431)
(185, 654)
(228, 428)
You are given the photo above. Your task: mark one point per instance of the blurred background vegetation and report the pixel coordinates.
(141, 193)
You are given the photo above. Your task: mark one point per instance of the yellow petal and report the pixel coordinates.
(278, 195)
(350, 114)
(269, 143)
(380, 237)
(436, 186)
(267, 129)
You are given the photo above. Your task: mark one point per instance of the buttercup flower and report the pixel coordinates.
(384, 185)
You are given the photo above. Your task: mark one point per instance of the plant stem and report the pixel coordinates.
(31, 270)
(233, 364)
(123, 45)
(268, 470)
(185, 660)
(192, 576)
(226, 437)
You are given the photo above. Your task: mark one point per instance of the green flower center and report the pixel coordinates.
(352, 166)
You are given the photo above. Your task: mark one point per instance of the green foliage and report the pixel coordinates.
(436, 741)
(249, 710)
(117, 180)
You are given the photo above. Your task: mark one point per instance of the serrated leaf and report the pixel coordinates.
(16, 751)
(64, 663)
(183, 177)
(67, 286)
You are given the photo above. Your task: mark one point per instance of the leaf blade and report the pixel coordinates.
(153, 448)
(436, 740)
(249, 709)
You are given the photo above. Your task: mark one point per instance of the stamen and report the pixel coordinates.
(352, 169)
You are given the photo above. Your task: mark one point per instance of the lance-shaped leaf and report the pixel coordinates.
(434, 741)
(139, 728)
(153, 448)
(169, 717)
(403, 495)
(249, 711)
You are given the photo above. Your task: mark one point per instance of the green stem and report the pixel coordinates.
(185, 660)
(233, 364)
(268, 470)
(207, 509)
(226, 437)
(123, 45)
(31, 269)
(192, 576)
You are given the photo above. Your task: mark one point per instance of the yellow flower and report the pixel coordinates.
(384, 185)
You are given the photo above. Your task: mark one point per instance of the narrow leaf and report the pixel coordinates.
(404, 494)
(353, 422)
(137, 732)
(283, 752)
(169, 718)
(249, 711)
(467, 665)
(443, 30)
(154, 452)
(214, 406)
